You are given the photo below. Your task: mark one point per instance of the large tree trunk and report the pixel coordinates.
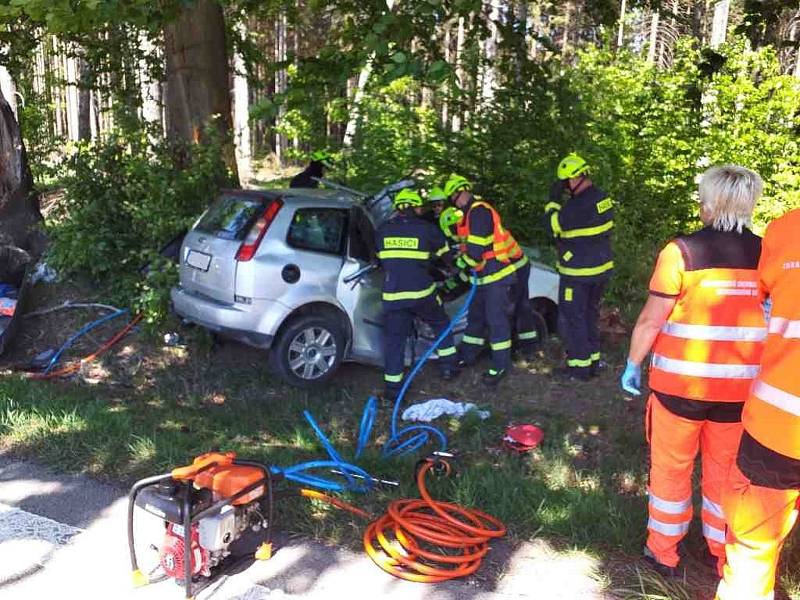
(19, 203)
(84, 100)
(363, 79)
(8, 89)
(197, 86)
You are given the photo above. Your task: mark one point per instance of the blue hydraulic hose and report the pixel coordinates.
(82, 331)
(396, 445)
(356, 478)
(401, 442)
(367, 421)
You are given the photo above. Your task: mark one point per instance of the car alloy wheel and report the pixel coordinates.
(312, 353)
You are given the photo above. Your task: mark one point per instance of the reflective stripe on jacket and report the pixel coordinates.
(488, 247)
(710, 347)
(406, 245)
(582, 230)
(772, 412)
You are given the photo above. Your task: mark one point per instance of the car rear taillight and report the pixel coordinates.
(253, 238)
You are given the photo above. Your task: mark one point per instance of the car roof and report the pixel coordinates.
(302, 196)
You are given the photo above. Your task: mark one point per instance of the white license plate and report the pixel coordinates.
(198, 260)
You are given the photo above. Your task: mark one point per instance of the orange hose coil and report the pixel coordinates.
(428, 541)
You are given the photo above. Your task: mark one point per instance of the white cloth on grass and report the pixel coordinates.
(431, 409)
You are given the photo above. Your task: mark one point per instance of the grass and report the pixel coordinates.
(147, 409)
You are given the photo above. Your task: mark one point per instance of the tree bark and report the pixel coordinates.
(241, 113)
(84, 100)
(363, 78)
(280, 85)
(8, 89)
(19, 203)
(197, 86)
(461, 74)
(651, 50)
(488, 71)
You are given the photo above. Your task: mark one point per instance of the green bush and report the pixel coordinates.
(647, 133)
(125, 198)
(396, 136)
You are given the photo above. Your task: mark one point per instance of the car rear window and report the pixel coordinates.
(230, 217)
(318, 230)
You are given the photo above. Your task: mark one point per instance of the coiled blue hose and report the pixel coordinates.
(356, 478)
(82, 331)
(412, 438)
(402, 441)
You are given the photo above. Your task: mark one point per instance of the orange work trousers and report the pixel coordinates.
(759, 520)
(674, 444)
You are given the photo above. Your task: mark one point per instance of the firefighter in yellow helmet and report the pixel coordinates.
(492, 253)
(582, 227)
(407, 245)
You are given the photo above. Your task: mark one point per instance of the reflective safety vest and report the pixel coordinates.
(772, 412)
(501, 246)
(711, 345)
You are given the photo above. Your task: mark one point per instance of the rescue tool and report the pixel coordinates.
(209, 505)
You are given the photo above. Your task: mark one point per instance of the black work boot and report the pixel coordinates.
(464, 362)
(492, 377)
(390, 395)
(571, 374)
(661, 568)
(598, 366)
(449, 373)
(527, 352)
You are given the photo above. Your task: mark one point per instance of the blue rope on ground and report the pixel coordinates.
(82, 331)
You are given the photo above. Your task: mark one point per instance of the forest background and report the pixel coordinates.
(138, 111)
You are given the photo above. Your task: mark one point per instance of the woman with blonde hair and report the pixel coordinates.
(705, 326)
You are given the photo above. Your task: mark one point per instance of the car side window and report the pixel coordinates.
(362, 236)
(318, 230)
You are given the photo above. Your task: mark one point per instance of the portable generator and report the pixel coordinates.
(205, 507)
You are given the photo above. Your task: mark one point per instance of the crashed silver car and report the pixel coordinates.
(294, 271)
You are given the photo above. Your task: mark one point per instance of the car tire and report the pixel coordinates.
(308, 351)
(548, 311)
(540, 326)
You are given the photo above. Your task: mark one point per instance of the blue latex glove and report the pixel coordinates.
(631, 379)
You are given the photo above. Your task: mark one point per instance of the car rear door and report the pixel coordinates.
(361, 297)
(208, 254)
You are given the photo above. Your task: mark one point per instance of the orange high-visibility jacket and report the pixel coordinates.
(502, 246)
(711, 345)
(772, 412)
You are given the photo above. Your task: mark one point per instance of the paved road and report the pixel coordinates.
(65, 535)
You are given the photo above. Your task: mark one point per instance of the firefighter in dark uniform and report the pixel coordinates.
(320, 160)
(434, 203)
(407, 244)
(490, 251)
(527, 338)
(582, 230)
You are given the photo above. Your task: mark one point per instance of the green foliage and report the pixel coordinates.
(125, 198)
(646, 132)
(396, 136)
